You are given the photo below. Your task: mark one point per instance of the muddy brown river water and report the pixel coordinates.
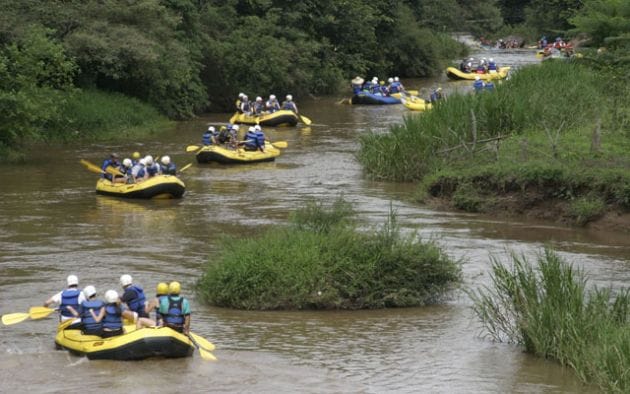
(52, 224)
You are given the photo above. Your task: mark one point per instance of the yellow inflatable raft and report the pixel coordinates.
(455, 73)
(159, 186)
(224, 155)
(133, 345)
(278, 118)
(415, 103)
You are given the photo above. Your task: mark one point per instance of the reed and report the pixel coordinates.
(322, 261)
(552, 312)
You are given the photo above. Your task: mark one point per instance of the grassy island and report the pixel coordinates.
(552, 140)
(321, 260)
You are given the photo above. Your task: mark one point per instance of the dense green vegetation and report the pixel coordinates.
(322, 261)
(555, 131)
(552, 312)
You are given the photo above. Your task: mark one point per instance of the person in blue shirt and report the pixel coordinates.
(209, 136)
(250, 141)
(175, 309)
(289, 105)
(112, 161)
(272, 105)
(478, 85)
(168, 167)
(90, 309)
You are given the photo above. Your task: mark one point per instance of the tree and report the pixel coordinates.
(607, 22)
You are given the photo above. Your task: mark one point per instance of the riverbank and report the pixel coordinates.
(549, 143)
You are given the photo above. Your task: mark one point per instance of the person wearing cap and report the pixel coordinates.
(259, 106)
(209, 136)
(478, 84)
(154, 304)
(111, 161)
(175, 309)
(289, 105)
(89, 311)
(272, 105)
(167, 167)
(133, 296)
(250, 141)
(68, 301)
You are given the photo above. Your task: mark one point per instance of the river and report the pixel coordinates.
(53, 224)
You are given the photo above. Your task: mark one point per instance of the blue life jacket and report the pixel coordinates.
(492, 66)
(251, 140)
(245, 107)
(113, 317)
(260, 139)
(478, 85)
(206, 138)
(489, 85)
(259, 108)
(434, 97)
(89, 323)
(367, 86)
(175, 315)
(288, 105)
(272, 106)
(170, 169)
(394, 87)
(137, 303)
(69, 297)
(141, 173)
(108, 163)
(152, 170)
(356, 89)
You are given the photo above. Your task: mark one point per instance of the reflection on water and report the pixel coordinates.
(54, 224)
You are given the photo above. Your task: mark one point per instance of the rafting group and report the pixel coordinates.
(136, 169)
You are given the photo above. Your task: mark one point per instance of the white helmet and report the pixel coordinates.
(491, 59)
(89, 291)
(148, 160)
(257, 127)
(289, 97)
(251, 128)
(125, 280)
(127, 163)
(166, 160)
(244, 97)
(272, 97)
(236, 127)
(258, 98)
(72, 280)
(390, 80)
(211, 128)
(142, 161)
(396, 79)
(240, 95)
(375, 79)
(111, 296)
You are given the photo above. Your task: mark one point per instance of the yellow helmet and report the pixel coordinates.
(174, 288)
(136, 155)
(162, 288)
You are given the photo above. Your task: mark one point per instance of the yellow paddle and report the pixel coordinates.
(14, 318)
(202, 342)
(94, 168)
(35, 313)
(206, 355)
(187, 166)
(305, 120)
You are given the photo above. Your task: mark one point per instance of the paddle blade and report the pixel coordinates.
(113, 171)
(192, 148)
(202, 342)
(187, 166)
(280, 144)
(14, 318)
(39, 312)
(305, 120)
(91, 166)
(207, 355)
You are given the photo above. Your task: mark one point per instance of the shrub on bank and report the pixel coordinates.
(552, 313)
(322, 261)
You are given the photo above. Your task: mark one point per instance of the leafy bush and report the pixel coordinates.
(585, 209)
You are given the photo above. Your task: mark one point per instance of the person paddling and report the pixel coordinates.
(175, 309)
(68, 301)
(90, 309)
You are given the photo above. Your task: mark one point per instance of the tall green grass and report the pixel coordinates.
(552, 312)
(322, 261)
(95, 114)
(552, 97)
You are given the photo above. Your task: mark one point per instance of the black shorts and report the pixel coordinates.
(108, 334)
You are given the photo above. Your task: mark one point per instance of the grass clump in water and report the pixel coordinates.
(321, 260)
(551, 312)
